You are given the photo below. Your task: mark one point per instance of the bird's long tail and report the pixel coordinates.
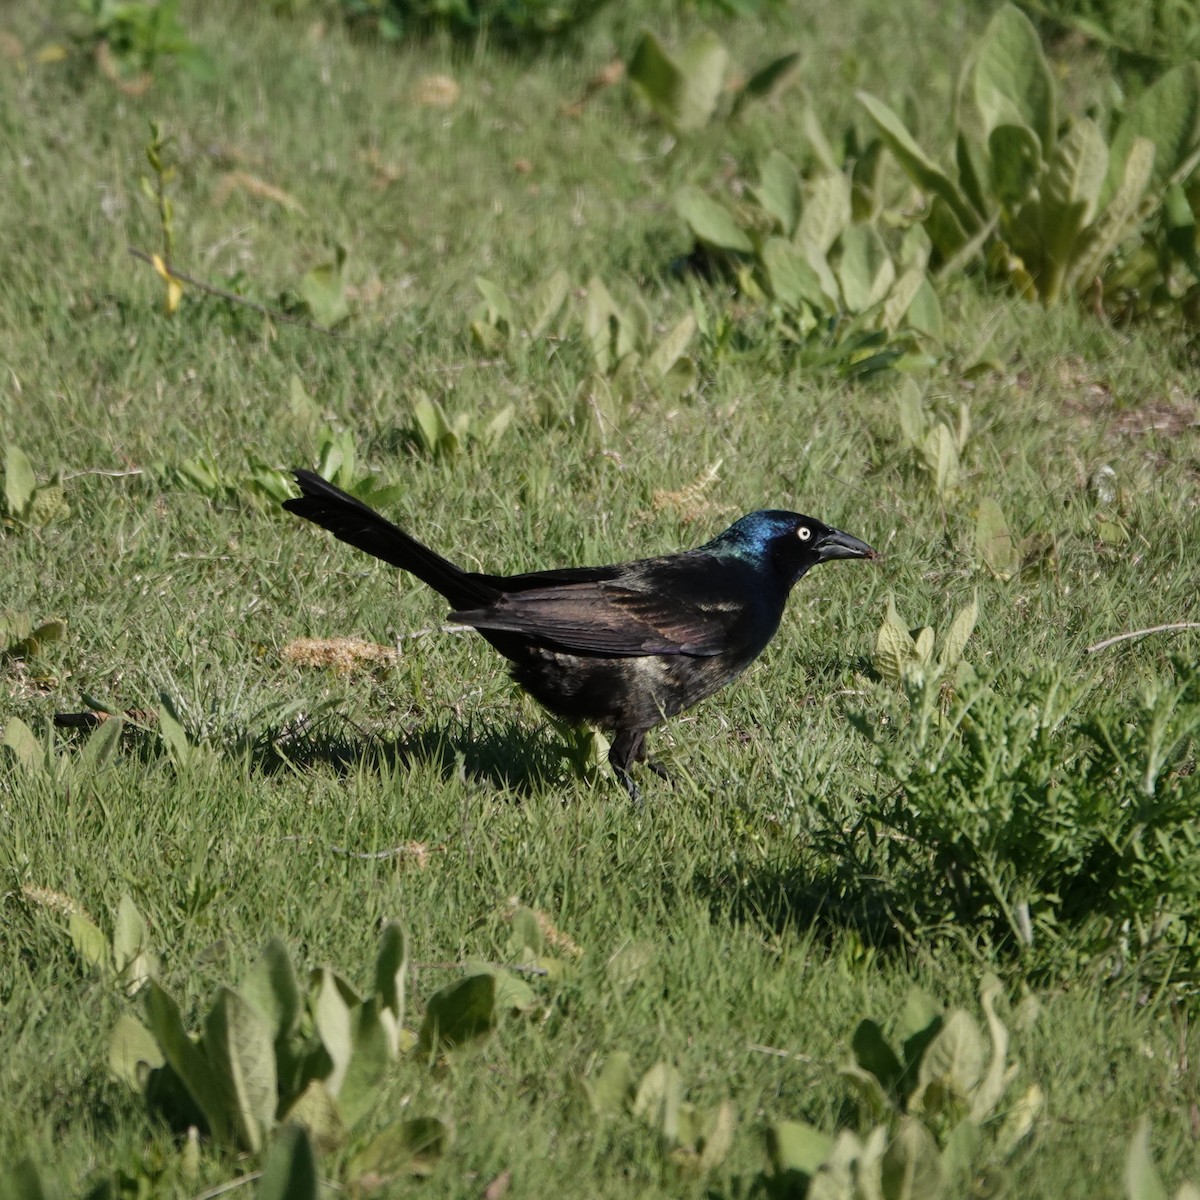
(351, 521)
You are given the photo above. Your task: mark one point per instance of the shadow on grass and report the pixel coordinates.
(508, 756)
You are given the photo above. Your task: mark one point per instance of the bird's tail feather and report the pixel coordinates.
(351, 521)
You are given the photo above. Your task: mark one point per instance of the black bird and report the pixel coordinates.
(625, 646)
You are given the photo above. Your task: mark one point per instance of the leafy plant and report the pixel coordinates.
(1000, 550)
(1047, 205)
(938, 446)
(138, 36)
(443, 437)
(685, 90)
(1140, 36)
(160, 153)
(274, 1053)
(323, 290)
(21, 639)
(694, 1141)
(510, 21)
(625, 355)
(1142, 1181)
(841, 290)
(935, 1105)
(1014, 810)
(26, 502)
(908, 658)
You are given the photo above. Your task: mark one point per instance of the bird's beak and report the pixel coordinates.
(836, 544)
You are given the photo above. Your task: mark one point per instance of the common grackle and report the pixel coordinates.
(625, 646)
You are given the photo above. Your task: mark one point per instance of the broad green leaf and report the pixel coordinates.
(133, 959)
(960, 1154)
(1167, 114)
(369, 1062)
(1070, 190)
(825, 215)
(893, 646)
(499, 306)
(956, 637)
(940, 455)
(818, 143)
(333, 1021)
(972, 159)
(171, 732)
(1011, 81)
(1075, 171)
(101, 745)
(238, 1045)
(19, 480)
(318, 1112)
(716, 1136)
(994, 542)
(493, 431)
(869, 1090)
(903, 292)
(1014, 162)
(951, 1066)
(547, 302)
(289, 1167)
(527, 936)
(778, 190)
(865, 269)
(1020, 1120)
(769, 81)
(90, 943)
(1142, 1181)
(47, 504)
(910, 409)
(272, 989)
(991, 1086)
(30, 645)
(600, 312)
(919, 1021)
(921, 169)
(27, 750)
(430, 422)
(925, 312)
(1118, 218)
(657, 1101)
(923, 645)
(791, 280)
(684, 93)
(324, 290)
(411, 1147)
(391, 969)
(872, 1053)
(459, 1012)
(612, 1088)
(188, 1062)
(710, 222)
(912, 1168)
(132, 1052)
(670, 349)
(512, 993)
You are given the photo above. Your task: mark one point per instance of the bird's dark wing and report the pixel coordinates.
(637, 609)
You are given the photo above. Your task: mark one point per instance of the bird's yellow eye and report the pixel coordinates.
(804, 533)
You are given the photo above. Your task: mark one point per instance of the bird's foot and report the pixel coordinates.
(652, 764)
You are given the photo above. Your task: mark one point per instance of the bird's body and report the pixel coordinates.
(624, 646)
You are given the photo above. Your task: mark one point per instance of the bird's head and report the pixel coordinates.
(788, 542)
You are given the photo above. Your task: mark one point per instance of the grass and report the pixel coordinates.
(720, 878)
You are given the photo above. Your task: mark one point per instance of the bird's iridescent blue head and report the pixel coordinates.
(789, 542)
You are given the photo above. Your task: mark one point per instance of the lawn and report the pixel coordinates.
(789, 882)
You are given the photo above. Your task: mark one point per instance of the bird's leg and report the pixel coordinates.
(627, 748)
